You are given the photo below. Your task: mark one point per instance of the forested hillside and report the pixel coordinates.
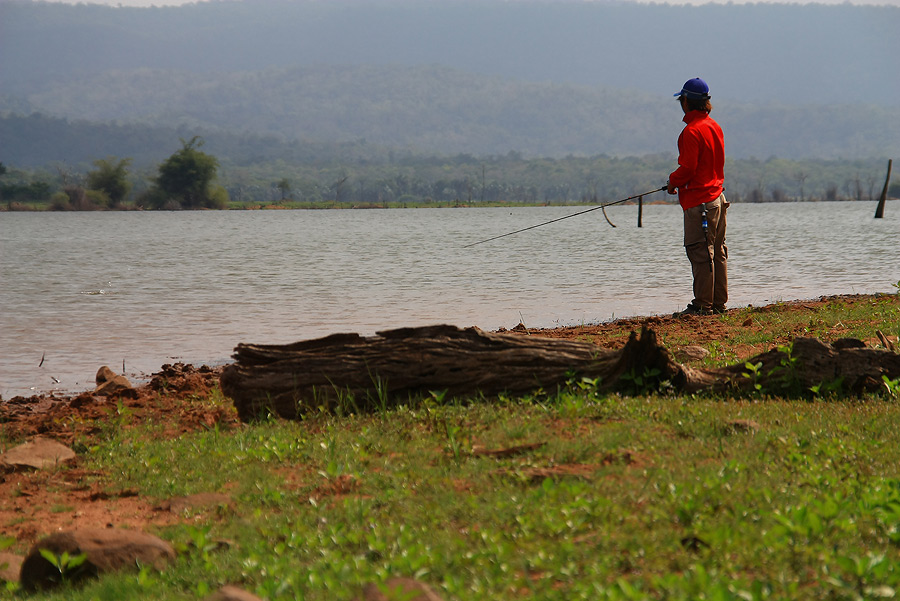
(382, 89)
(440, 110)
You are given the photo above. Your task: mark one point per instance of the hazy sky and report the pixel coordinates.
(179, 2)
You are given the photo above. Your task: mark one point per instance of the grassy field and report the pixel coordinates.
(566, 495)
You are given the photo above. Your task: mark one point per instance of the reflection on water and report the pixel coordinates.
(143, 289)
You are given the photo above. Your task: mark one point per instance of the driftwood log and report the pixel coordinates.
(365, 373)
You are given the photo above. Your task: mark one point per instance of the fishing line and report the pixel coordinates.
(603, 206)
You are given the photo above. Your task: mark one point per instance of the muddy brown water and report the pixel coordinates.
(136, 290)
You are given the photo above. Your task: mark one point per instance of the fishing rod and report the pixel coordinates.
(603, 206)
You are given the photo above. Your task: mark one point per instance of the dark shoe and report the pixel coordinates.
(692, 309)
(719, 310)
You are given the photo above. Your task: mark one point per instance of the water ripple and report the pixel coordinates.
(190, 286)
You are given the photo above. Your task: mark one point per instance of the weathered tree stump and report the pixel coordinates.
(362, 374)
(846, 366)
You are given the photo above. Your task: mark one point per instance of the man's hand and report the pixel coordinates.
(670, 188)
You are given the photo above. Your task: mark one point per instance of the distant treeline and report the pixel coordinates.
(348, 175)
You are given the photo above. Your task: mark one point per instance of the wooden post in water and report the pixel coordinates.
(640, 211)
(879, 211)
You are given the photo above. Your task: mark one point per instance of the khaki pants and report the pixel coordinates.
(708, 254)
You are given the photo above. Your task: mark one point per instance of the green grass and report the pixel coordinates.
(768, 326)
(655, 498)
(836, 319)
(609, 498)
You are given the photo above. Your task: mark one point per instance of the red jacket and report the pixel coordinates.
(701, 158)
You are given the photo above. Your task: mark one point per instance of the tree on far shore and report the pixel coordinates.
(284, 185)
(110, 178)
(185, 180)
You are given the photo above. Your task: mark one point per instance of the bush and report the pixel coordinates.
(110, 178)
(217, 198)
(154, 198)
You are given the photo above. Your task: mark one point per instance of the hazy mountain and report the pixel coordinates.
(540, 77)
(440, 110)
(753, 52)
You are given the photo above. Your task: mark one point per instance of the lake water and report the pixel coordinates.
(83, 290)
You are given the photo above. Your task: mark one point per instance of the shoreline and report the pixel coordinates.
(609, 334)
(173, 455)
(19, 207)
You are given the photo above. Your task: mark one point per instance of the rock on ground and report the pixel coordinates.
(10, 566)
(39, 453)
(396, 589)
(691, 353)
(196, 502)
(106, 550)
(231, 593)
(109, 382)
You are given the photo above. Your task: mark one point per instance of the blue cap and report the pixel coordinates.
(694, 88)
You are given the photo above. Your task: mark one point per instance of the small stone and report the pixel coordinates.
(10, 566)
(395, 589)
(110, 383)
(691, 353)
(105, 549)
(39, 453)
(199, 501)
(739, 426)
(84, 399)
(231, 593)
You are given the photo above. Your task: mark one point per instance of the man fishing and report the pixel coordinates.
(699, 183)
